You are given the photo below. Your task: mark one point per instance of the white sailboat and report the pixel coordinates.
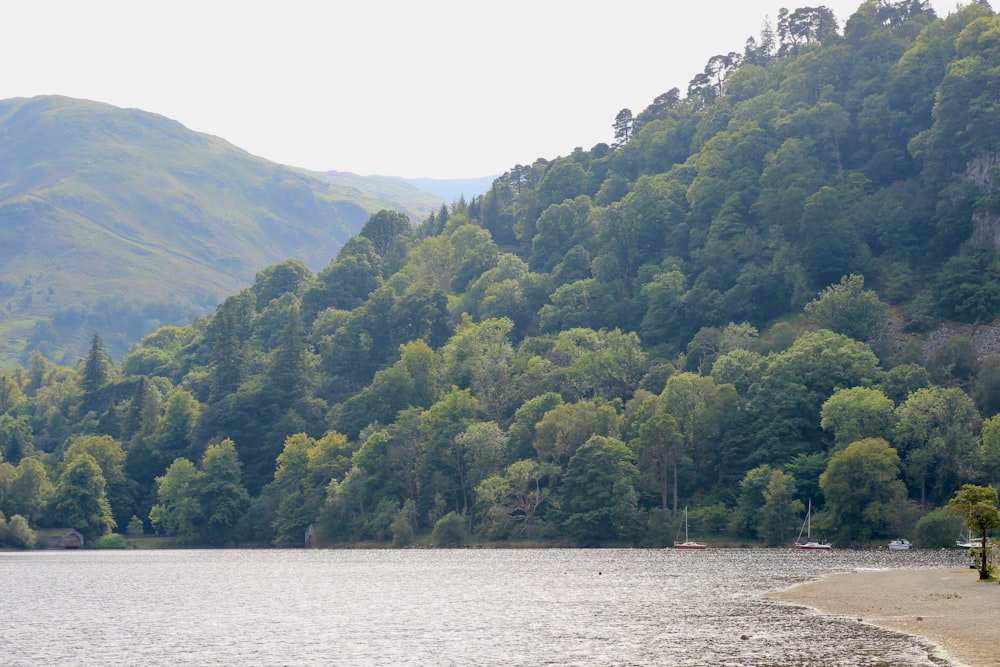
(687, 544)
(967, 541)
(810, 544)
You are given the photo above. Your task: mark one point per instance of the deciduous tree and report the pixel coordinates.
(862, 487)
(598, 492)
(80, 500)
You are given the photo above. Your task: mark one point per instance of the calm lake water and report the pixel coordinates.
(437, 607)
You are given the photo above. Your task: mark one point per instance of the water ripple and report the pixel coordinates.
(438, 607)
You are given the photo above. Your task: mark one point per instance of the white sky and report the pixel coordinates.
(432, 88)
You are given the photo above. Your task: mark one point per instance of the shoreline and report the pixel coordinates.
(948, 607)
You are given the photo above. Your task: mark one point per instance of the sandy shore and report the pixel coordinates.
(950, 607)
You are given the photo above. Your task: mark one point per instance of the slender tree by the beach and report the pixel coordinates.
(979, 505)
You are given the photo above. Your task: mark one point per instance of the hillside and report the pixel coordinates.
(779, 288)
(122, 220)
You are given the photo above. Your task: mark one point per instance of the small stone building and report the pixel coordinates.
(63, 538)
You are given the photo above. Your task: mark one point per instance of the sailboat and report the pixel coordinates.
(810, 544)
(967, 541)
(687, 544)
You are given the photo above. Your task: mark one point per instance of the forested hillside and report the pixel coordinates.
(772, 288)
(123, 220)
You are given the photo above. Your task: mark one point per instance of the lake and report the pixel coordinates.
(437, 607)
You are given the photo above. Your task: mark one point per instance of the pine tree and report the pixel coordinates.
(97, 371)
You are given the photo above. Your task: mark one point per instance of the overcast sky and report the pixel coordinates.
(432, 88)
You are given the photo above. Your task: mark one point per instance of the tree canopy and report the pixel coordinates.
(776, 288)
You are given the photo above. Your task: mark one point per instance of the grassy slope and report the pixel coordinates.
(100, 203)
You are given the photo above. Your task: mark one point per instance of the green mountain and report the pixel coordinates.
(122, 220)
(781, 286)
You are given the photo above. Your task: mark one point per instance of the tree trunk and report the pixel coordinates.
(984, 568)
(675, 489)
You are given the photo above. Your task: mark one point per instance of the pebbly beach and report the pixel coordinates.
(950, 607)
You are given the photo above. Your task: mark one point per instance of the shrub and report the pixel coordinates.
(449, 531)
(937, 529)
(19, 533)
(109, 541)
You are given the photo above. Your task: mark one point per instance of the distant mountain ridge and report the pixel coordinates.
(123, 220)
(453, 189)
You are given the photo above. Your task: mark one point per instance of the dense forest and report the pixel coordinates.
(770, 289)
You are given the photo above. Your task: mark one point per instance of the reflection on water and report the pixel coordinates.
(436, 607)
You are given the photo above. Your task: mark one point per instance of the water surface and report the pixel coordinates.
(437, 607)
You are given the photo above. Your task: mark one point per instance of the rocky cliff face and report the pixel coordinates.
(986, 222)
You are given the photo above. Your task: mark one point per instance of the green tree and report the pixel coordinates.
(227, 345)
(178, 509)
(16, 437)
(567, 426)
(986, 390)
(937, 434)
(294, 512)
(480, 357)
(937, 529)
(19, 533)
(347, 282)
(30, 490)
(136, 528)
(483, 445)
(442, 467)
(746, 518)
(515, 498)
(221, 493)
(110, 457)
(862, 490)
(305, 468)
(402, 525)
(847, 308)
(623, 127)
(79, 500)
(599, 499)
(410, 382)
(96, 371)
(384, 228)
(978, 504)
(475, 253)
(174, 432)
(857, 413)
(278, 279)
(781, 509)
(830, 246)
(786, 404)
(696, 406)
(561, 227)
(901, 381)
(991, 447)
(658, 447)
(450, 530)
(12, 398)
(7, 472)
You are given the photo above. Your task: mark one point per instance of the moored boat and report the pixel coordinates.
(810, 544)
(902, 544)
(967, 541)
(688, 544)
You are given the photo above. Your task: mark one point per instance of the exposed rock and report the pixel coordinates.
(985, 339)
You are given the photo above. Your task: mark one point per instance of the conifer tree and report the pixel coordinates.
(96, 372)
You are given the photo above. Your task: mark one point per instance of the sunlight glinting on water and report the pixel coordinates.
(440, 607)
